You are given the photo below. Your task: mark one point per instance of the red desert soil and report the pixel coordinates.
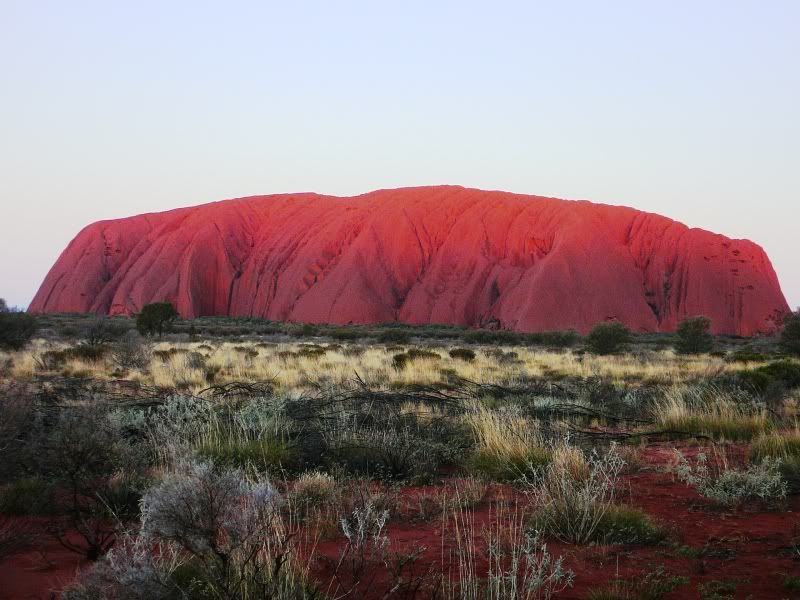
(751, 547)
(40, 571)
(445, 255)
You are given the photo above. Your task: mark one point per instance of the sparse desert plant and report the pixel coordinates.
(314, 488)
(520, 566)
(608, 338)
(731, 487)
(101, 331)
(230, 527)
(130, 351)
(156, 318)
(571, 502)
(790, 335)
(694, 336)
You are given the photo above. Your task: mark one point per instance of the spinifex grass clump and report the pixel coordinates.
(507, 444)
(711, 412)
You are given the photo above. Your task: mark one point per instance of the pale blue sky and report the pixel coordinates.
(107, 109)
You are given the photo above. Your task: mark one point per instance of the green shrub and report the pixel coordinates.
(464, 354)
(487, 337)
(343, 334)
(694, 336)
(782, 372)
(790, 335)
(394, 337)
(156, 318)
(307, 330)
(552, 339)
(16, 329)
(608, 338)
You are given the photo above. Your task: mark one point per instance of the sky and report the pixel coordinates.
(690, 109)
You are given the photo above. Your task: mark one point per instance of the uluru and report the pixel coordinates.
(444, 255)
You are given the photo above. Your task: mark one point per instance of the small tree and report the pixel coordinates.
(608, 338)
(156, 318)
(16, 327)
(694, 336)
(790, 336)
(99, 476)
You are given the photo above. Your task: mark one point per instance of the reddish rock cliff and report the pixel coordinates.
(419, 255)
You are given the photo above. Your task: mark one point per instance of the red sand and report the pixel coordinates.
(751, 546)
(445, 255)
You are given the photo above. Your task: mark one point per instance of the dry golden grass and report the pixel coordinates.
(281, 364)
(712, 413)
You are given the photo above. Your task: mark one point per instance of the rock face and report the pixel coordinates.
(444, 255)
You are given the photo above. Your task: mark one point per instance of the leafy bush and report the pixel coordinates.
(464, 354)
(694, 336)
(790, 335)
(16, 329)
(156, 318)
(608, 338)
(732, 487)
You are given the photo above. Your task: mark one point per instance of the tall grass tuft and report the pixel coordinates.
(711, 412)
(507, 444)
